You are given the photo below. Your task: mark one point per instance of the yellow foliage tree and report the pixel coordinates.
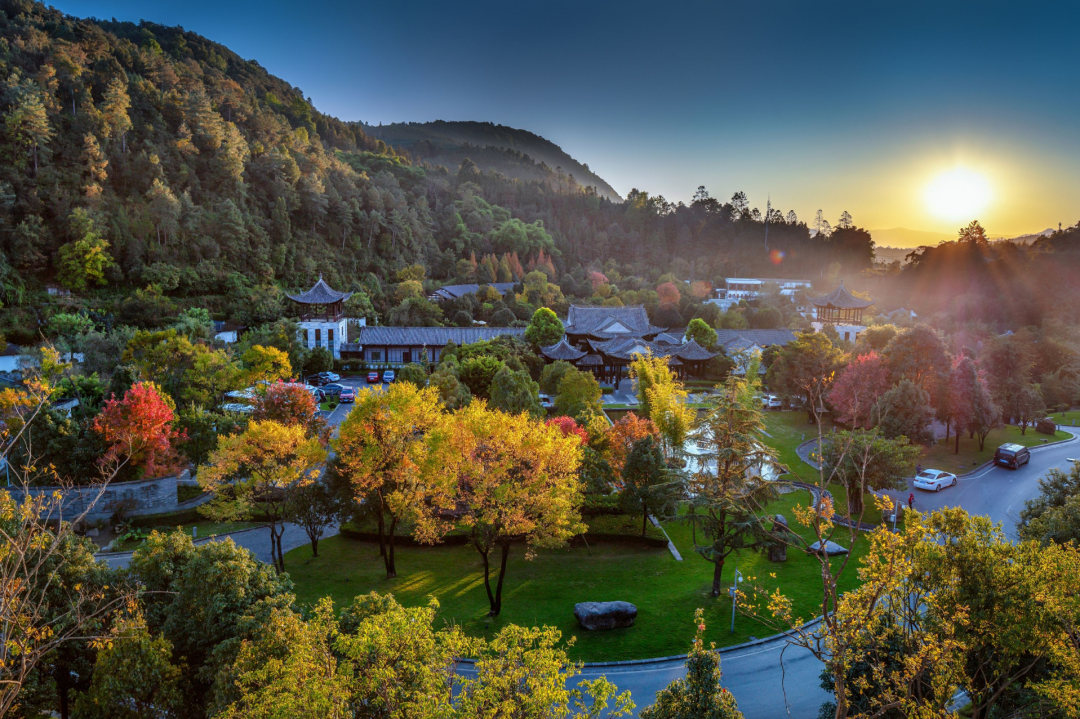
(517, 480)
(253, 475)
(382, 450)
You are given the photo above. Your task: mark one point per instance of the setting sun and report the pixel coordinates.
(958, 194)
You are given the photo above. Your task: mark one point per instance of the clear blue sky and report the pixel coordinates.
(854, 105)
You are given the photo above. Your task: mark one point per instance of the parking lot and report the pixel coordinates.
(336, 416)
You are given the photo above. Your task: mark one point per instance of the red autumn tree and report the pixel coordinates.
(568, 426)
(623, 435)
(701, 289)
(597, 279)
(139, 429)
(669, 294)
(289, 403)
(858, 387)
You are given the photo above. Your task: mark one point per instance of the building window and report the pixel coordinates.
(318, 338)
(375, 355)
(329, 337)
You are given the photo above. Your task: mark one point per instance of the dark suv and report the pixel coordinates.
(1012, 455)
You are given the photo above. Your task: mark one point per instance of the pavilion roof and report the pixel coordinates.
(693, 352)
(840, 299)
(562, 350)
(320, 294)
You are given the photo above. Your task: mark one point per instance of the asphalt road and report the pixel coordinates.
(997, 492)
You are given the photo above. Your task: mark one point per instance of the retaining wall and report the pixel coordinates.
(144, 496)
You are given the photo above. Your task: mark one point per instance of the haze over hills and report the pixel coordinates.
(516, 153)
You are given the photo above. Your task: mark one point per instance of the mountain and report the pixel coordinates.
(1032, 238)
(515, 153)
(900, 237)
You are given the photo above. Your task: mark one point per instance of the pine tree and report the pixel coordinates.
(114, 111)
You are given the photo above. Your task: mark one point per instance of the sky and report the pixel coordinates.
(905, 114)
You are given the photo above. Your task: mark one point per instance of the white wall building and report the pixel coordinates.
(748, 288)
(322, 321)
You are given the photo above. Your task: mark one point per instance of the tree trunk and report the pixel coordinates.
(718, 569)
(314, 544)
(275, 547)
(644, 517)
(854, 503)
(957, 450)
(382, 541)
(391, 568)
(497, 607)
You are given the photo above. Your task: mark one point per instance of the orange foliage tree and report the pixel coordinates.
(290, 403)
(138, 429)
(623, 435)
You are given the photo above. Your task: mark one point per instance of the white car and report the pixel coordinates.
(545, 401)
(934, 480)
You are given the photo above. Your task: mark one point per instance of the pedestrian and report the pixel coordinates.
(911, 501)
(918, 469)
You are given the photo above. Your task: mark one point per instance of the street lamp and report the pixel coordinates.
(734, 595)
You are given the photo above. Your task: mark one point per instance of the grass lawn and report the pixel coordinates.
(943, 456)
(328, 405)
(786, 431)
(543, 591)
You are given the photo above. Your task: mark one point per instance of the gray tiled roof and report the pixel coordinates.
(431, 336)
(562, 350)
(320, 294)
(625, 348)
(762, 338)
(599, 321)
(452, 292)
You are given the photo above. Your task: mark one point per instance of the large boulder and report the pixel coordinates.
(605, 615)
(831, 549)
(1046, 425)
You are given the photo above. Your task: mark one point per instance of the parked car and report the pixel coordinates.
(316, 381)
(347, 395)
(388, 376)
(333, 390)
(372, 377)
(773, 402)
(934, 480)
(545, 401)
(330, 376)
(1012, 455)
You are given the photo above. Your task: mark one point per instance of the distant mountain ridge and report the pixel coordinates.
(513, 152)
(904, 238)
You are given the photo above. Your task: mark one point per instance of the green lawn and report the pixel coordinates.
(545, 589)
(942, 456)
(329, 405)
(786, 431)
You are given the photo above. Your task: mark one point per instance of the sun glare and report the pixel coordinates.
(958, 194)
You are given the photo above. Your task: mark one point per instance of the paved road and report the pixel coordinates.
(997, 492)
(257, 540)
(753, 674)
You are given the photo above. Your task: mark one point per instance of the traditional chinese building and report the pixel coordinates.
(322, 317)
(605, 340)
(842, 310)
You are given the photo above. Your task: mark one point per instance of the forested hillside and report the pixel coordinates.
(147, 169)
(515, 153)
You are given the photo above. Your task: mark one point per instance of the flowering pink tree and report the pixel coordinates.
(139, 429)
(858, 387)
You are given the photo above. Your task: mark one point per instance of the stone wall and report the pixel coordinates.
(145, 496)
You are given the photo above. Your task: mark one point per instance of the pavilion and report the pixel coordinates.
(322, 317)
(841, 309)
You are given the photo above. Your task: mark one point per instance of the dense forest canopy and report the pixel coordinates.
(149, 169)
